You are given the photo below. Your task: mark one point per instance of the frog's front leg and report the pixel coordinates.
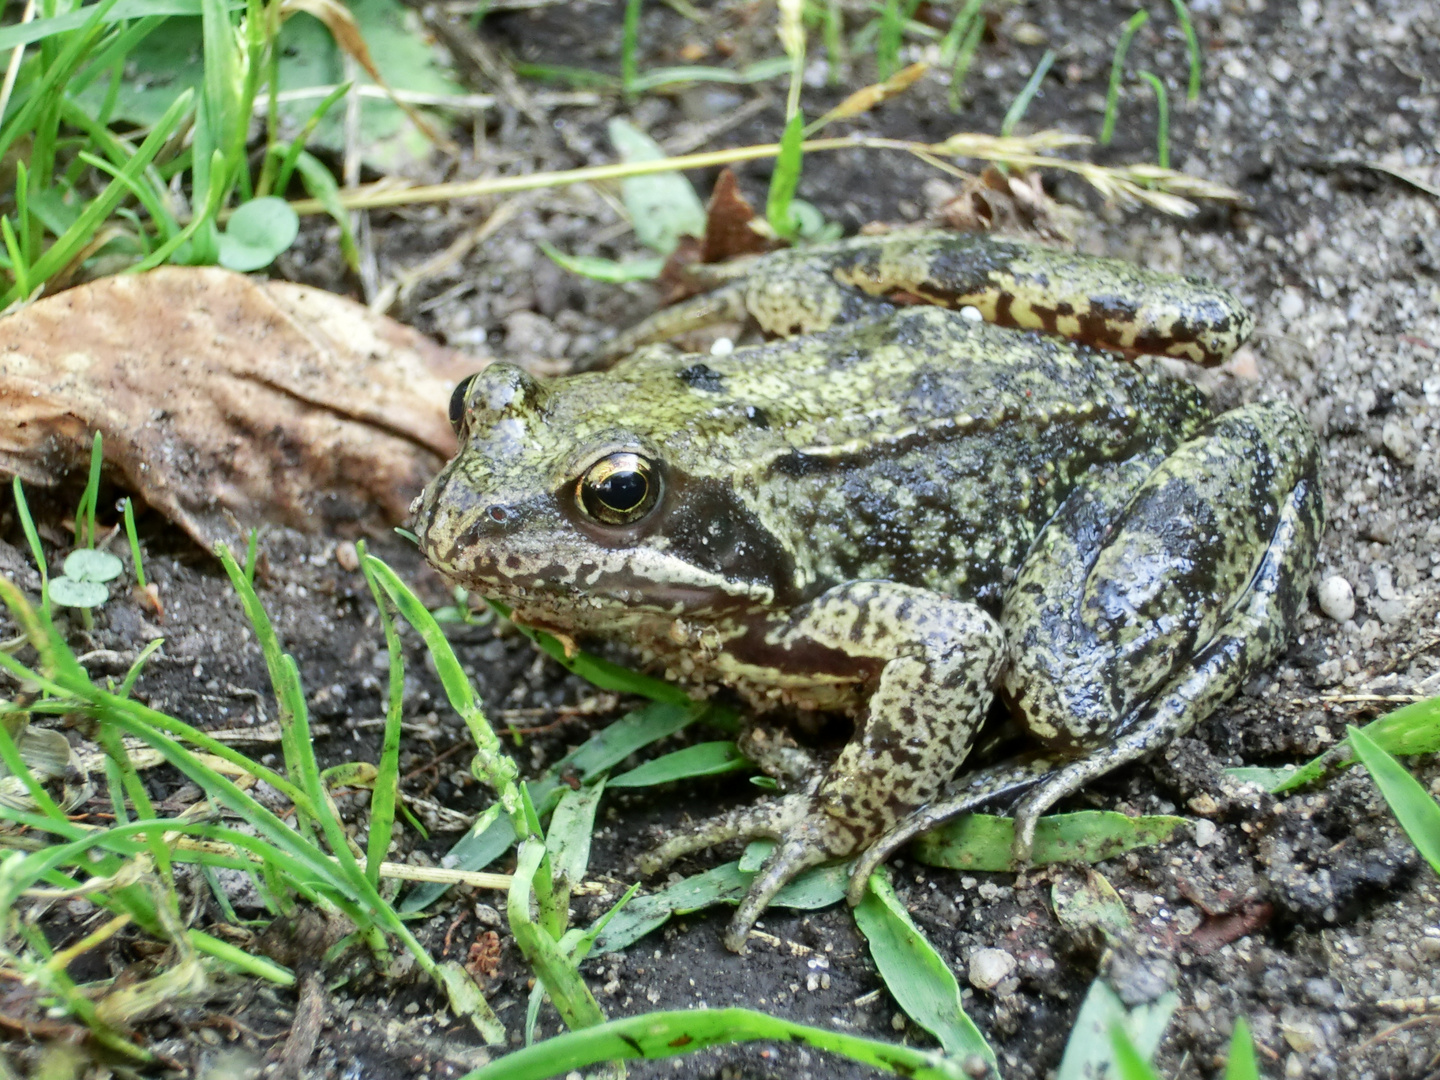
(1141, 607)
(937, 660)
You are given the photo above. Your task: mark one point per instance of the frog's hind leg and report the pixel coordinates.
(1126, 629)
(1106, 303)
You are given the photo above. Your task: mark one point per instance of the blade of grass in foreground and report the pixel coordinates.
(1414, 729)
(488, 839)
(683, 1031)
(1419, 814)
(916, 975)
(1090, 1051)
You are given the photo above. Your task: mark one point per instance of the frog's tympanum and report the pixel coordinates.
(897, 511)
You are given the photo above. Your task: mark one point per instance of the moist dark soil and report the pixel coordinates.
(1312, 916)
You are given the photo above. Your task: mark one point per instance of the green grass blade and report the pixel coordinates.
(1413, 729)
(489, 838)
(1016, 112)
(597, 268)
(66, 247)
(760, 71)
(274, 656)
(139, 565)
(571, 827)
(1192, 46)
(85, 512)
(915, 974)
(1117, 72)
(963, 59)
(32, 537)
(1417, 812)
(45, 93)
(387, 779)
(1162, 119)
(41, 29)
(569, 994)
(630, 46)
(703, 759)
(1242, 1064)
(683, 1031)
(259, 966)
(1128, 1062)
(498, 768)
(1090, 1050)
(786, 178)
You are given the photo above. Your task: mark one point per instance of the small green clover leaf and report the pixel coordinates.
(82, 585)
(87, 564)
(257, 232)
(67, 592)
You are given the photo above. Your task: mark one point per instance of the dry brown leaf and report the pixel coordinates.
(729, 218)
(224, 401)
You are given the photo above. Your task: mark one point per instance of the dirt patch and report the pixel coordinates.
(1340, 264)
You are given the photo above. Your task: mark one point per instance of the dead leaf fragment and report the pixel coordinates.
(223, 401)
(729, 231)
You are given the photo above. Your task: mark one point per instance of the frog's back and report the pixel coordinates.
(922, 448)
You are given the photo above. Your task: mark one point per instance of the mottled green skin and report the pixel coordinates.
(897, 517)
(1104, 302)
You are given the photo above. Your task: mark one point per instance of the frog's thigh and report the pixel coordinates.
(1140, 609)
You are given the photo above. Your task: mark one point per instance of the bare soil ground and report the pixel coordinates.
(1305, 915)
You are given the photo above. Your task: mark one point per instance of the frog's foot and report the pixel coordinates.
(1143, 606)
(807, 836)
(768, 820)
(992, 784)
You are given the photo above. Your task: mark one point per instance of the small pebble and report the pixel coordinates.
(1292, 304)
(1204, 832)
(971, 314)
(990, 967)
(346, 556)
(1337, 598)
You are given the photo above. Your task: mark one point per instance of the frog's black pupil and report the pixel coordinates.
(623, 490)
(457, 401)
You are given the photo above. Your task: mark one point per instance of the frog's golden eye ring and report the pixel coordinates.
(457, 402)
(619, 489)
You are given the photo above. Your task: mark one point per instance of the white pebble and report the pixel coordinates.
(990, 967)
(722, 347)
(1292, 304)
(971, 314)
(1204, 832)
(1337, 598)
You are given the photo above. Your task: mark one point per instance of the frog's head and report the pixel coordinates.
(576, 495)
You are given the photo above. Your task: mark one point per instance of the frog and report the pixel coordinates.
(952, 477)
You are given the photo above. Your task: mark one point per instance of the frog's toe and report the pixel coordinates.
(799, 850)
(770, 820)
(994, 783)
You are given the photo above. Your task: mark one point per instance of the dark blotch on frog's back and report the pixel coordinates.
(703, 378)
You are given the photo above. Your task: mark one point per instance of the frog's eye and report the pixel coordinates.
(457, 402)
(619, 489)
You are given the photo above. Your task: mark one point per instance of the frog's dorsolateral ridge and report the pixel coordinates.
(897, 513)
